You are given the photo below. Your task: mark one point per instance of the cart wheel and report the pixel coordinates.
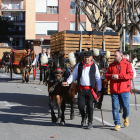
(11, 66)
(34, 72)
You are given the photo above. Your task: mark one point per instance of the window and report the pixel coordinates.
(41, 6)
(72, 26)
(73, 8)
(46, 28)
(51, 32)
(52, 6)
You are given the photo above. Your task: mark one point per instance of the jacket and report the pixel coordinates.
(125, 72)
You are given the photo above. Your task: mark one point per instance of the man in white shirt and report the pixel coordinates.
(43, 60)
(88, 76)
(48, 52)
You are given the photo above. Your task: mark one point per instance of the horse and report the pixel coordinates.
(25, 67)
(58, 73)
(6, 59)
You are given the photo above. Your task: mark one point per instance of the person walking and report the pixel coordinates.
(88, 76)
(119, 73)
(43, 60)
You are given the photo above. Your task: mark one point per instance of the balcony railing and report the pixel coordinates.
(14, 18)
(12, 7)
(52, 10)
(136, 39)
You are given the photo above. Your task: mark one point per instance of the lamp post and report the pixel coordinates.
(29, 44)
(11, 39)
(41, 39)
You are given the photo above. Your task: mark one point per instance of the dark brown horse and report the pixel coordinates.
(6, 61)
(59, 73)
(25, 67)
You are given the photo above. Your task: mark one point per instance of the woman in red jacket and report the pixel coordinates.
(119, 73)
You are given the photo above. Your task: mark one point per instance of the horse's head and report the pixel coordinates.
(7, 56)
(27, 60)
(58, 66)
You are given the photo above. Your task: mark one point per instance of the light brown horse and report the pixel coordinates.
(59, 73)
(25, 67)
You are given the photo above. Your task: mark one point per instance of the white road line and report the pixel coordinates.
(3, 75)
(38, 89)
(100, 120)
(134, 104)
(7, 104)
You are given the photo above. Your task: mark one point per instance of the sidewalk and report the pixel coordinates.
(136, 82)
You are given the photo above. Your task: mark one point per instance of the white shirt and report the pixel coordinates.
(37, 57)
(85, 79)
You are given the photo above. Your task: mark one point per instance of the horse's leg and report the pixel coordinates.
(51, 104)
(27, 76)
(57, 97)
(63, 106)
(23, 76)
(72, 95)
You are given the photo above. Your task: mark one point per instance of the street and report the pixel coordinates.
(25, 115)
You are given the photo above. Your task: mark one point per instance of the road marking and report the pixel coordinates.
(100, 120)
(134, 104)
(38, 89)
(7, 104)
(3, 75)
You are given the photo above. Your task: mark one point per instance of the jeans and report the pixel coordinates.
(85, 96)
(124, 98)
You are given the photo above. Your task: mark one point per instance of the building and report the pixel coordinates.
(14, 10)
(46, 17)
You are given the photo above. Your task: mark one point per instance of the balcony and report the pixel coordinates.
(136, 39)
(14, 18)
(13, 7)
(52, 10)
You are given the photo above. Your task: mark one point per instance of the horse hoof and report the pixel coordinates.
(54, 120)
(62, 122)
(72, 117)
(58, 119)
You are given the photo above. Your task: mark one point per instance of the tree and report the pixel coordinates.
(107, 13)
(5, 25)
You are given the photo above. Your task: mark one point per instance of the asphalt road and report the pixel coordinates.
(25, 115)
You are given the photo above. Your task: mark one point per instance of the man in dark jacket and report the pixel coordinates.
(88, 76)
(119, 73)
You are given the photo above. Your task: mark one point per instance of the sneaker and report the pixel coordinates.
(40, 82)
(90, 126)
(117, 127)
(126, 122)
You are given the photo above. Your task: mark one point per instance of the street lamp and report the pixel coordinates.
(29, 44)
(41, 39)
(11, 39)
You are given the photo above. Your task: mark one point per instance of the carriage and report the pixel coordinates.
(16, 56)
(66, 42)
(3, 49)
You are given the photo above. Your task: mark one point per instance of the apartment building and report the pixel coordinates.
(14, 10)
(46, 17)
